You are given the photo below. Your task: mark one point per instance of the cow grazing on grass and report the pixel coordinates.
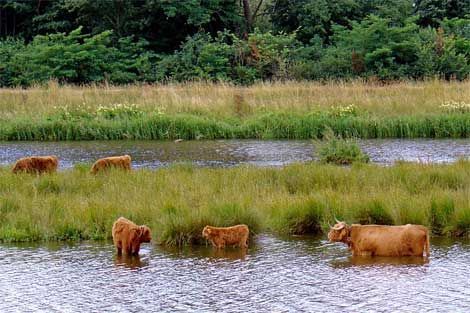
(380, 240)
(128, 236)
(222, 236)
(123, 162)
(36, 164)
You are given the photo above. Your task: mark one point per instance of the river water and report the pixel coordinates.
(296, 274)
(154, 154)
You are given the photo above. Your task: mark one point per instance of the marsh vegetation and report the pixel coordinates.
(177, 202)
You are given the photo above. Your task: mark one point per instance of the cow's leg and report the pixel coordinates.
(135, 248)
(119, 248)
(244, 242)
(363, 253)
(219, 243)
(118, 245)
(126, 247)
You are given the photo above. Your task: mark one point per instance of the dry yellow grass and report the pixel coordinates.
(223, 100)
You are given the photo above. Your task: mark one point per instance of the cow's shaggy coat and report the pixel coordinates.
(122, 162)
(227, 236)
(36, 164)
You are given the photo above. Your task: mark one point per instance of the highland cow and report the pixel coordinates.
(122, 162)
(36, 164)
(381, 240)
(128, 236)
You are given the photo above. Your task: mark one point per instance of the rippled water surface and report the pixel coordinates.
(231, 152)
(273, 275)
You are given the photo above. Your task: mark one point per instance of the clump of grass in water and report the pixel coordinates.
(298, 218)
(336, 150)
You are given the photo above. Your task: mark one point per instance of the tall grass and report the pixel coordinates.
(263, 126)
(266, 110)
(177, 202)
(224, 100)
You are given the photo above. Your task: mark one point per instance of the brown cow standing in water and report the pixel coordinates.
(128, 236)
(36, 164)
(123, 162)
(380, 240)
(222, 236)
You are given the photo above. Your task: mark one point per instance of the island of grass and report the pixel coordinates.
(177, 202)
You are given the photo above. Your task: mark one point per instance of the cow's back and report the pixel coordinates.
(36, 164)
(234, 234)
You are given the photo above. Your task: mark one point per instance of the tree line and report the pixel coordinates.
(240, 41)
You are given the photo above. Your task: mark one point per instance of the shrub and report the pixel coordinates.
(337, 150)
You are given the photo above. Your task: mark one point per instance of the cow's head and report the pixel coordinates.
(206, 232)
(144, 234)
(339, 232)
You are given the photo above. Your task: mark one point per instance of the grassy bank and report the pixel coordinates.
(431, 109)
(177, 202)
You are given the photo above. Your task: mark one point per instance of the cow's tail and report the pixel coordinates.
(426, 244)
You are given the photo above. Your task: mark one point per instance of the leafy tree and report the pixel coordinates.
(318, 17)
(388, 51)
(433, 12)
(78, 58)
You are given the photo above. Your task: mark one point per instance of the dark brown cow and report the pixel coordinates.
(123, 162)
(380, 240)
(128, 236)
(36, 164)
(222, 236)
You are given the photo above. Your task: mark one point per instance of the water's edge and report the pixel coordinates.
(289, 274)
(223, 153)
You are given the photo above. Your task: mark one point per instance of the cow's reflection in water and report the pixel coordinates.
(383, 260)
(207, 252)
(380, 261)
(129, 261)
(228, 253)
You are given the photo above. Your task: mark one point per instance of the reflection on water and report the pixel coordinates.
(130, 261)
(207, 252)
(380, 261)
(274, 275)
(155, 154)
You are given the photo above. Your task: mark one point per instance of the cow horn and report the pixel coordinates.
(339, 227)
(337, 220)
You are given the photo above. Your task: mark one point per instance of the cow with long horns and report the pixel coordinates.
(381, 240)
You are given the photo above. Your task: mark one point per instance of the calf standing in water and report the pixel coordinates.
(222, 236)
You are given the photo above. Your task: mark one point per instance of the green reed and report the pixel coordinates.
(278, 125)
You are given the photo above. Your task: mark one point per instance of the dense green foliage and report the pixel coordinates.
(177, 202)
(226, 40)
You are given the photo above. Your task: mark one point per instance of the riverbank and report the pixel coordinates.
(433, 109)
(177, 202)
